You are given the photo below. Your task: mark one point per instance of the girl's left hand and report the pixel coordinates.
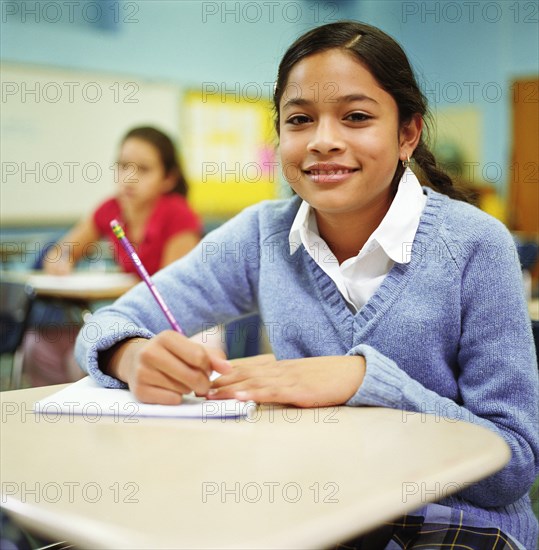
(310, 382)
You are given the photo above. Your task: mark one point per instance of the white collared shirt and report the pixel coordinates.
(358, 278)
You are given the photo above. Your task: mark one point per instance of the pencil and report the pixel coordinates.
(139, 266)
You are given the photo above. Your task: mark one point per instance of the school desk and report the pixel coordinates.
(287, 478)
(82, 286)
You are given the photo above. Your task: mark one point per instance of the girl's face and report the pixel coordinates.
(339, 135)
(141, 174)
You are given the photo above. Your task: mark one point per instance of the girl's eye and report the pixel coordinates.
(358, 117)
(296, 120)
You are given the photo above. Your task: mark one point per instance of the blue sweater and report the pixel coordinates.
(447, 333)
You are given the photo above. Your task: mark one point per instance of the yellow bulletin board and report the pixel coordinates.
(228, 147)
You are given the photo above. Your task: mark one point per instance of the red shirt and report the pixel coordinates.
(171, 216)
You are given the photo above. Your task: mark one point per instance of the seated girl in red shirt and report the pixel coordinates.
(150, 204)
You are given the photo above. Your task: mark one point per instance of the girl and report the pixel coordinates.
(414, 294)
(151, 203)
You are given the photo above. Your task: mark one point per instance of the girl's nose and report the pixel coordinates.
(128, 176)
(326, 138)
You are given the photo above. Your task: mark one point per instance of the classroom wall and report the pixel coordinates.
(183, 41)
(172, 45)
(466, 53)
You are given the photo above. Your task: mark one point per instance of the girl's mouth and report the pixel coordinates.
(330, 174)
(339, 171)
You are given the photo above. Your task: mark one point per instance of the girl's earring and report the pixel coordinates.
(406, 163)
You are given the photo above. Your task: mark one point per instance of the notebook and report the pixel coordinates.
(87, 398)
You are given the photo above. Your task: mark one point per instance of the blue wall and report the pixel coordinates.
(173, 40)
(451, 44)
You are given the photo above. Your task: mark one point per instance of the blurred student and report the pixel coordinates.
(150, 203)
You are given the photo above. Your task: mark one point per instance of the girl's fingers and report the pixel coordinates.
(177, 372)
(226, 392)
(248, 379)
(238, 374)
(179, 361)
(155, 378)
(263, 394)
(216, 352)
(222, 366)
(255, 360)
(192, 354)
(159, 396)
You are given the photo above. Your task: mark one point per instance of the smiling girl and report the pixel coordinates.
(374, 289)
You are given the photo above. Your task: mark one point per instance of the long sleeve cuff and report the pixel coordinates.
(386, 385)
(383, 381)
(92, 355)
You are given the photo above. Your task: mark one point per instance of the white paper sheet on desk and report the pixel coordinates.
(87, 398)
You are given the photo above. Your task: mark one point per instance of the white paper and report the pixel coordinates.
(87, 398)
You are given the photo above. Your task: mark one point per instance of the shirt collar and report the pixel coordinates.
(299, 226)
(396, 231)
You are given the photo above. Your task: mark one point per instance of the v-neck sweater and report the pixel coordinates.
(447, 333)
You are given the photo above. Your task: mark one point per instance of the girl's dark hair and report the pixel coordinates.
(387, 62)
(167, 153)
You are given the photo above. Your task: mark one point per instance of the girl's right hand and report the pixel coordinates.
(165, 368)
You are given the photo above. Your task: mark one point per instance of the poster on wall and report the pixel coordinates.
(228, 145)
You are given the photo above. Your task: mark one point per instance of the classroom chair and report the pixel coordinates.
(16, 301)
(14, 537)
(243, 337)
(56, 312)
(535, 330)
(528, 252)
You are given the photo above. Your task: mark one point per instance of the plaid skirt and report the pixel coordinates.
(435, 526)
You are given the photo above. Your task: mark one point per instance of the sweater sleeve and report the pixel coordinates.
(498, 379)
(212, 284)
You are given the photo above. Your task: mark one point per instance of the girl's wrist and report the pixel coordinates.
(119, 360)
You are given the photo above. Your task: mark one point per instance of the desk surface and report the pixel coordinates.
(288, 478)
(79, 285)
